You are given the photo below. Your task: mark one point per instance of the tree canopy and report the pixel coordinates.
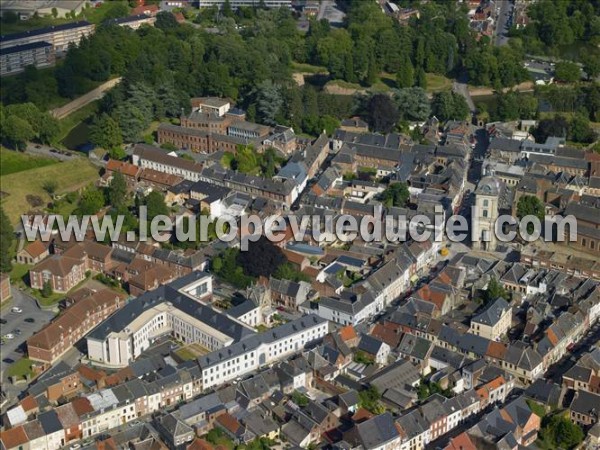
(7, 238)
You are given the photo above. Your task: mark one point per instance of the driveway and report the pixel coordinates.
(13, 349)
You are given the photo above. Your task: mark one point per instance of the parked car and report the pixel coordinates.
(3, 321)
(16, 309)
(30, 320)
(9, 336)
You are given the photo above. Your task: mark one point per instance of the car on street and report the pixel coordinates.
(9, 336)
(16, 309)
(3, 321)
(30, 320)
(16, 332)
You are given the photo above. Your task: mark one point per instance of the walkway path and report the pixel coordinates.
(85, 99)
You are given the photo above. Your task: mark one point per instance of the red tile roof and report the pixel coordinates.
(14, 437)
(36, 248)
(461, 442)
(348, 333)
(29, 403)
(124, 168)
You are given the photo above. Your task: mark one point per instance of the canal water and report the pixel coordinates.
(79, 139)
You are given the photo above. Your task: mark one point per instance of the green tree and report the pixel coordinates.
(413, 103)
(226, 9)
(268, 102)
(591, 65)
(559, 431)
(495, 290)
(50, 186)
(17, 132)
(580, 130)
(529, 205)
(155, 204)
(299, 399)
(567, 71)
(165, 20)
(406, 74)
(396, 194)
(369, 399)
(7, 238)
(46, 290)
(117, 191)
(92, 200)
(382, 114)
(449, 105)
(287, 271)
(54, 13)
(106, 133)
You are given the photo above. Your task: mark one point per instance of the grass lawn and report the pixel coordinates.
(12, 161)
(18, 272)
(309, 68)
(437, 83)
(69, 175)
(186, 354)
(97, 15)
(47, 301)
(20, 368)
(345, 84)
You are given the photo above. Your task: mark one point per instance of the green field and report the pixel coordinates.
(437, 83)
(20, 368)
(308, 68)
(12, 161)
(69, 175)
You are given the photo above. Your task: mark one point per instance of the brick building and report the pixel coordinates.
(52, 341)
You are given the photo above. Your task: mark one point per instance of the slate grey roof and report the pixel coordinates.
(255, 340)
(378, 431)
(243, 308)
(349, 398)
(492, 314)
(369, 344)
(152, 153)
(398, 374)
(544, 391)
(586, 403)
(413, 424)
(237, 180)
(50, 422)
(169, 292)
(505, 145)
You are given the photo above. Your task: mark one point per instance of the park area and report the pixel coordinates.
(24, 176)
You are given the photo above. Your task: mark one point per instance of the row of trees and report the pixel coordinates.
(24, 122)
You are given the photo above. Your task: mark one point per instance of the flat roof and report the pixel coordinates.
(24, 47)
(45, 30)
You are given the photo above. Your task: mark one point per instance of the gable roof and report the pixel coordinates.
(378, 431)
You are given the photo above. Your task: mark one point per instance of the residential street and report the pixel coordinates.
(503, 22)
(556, 371)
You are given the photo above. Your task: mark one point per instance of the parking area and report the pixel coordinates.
(19, 321)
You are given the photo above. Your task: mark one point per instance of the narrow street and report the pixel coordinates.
(504, 22)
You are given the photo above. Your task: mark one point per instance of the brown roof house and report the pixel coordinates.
(63, 273)
(32, 253)
(52, 341)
